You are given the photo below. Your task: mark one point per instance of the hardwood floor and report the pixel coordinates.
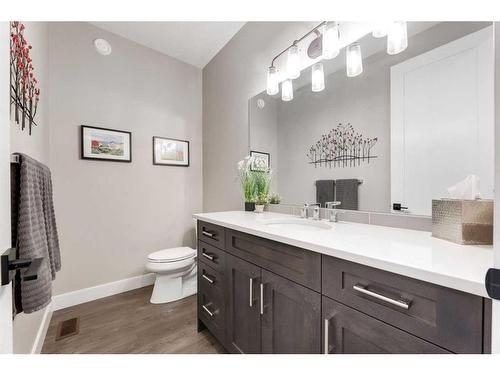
(128, 323)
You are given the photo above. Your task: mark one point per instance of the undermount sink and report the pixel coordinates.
(297, 224)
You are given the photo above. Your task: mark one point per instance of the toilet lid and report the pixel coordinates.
(172, 255)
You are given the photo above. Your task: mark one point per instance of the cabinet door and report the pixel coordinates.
(243, 317)
(291, 319)
(348, 331)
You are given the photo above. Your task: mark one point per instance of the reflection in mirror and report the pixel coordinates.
(394, 137)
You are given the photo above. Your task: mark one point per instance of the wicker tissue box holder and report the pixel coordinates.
(467, 222)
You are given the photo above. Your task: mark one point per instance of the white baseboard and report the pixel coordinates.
(62, 301)
(42, 330)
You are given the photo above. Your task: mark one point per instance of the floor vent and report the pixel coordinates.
(68, 328)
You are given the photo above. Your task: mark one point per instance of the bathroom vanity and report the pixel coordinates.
(274, 283)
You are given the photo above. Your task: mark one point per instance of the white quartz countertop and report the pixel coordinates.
(406, 252)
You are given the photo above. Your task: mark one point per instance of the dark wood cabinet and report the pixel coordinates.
(291, 316)
(347, 331)
(243, 334)
(261, 296)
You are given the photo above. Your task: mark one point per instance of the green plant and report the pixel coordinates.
(262, 182)
(262, 199)
(274, 198)
(247, 179)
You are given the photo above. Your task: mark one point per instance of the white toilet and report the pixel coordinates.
(176, 272)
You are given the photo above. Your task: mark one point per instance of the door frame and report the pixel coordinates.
(6, 336)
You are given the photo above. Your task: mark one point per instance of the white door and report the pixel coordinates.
(5, 291)
(442, 121)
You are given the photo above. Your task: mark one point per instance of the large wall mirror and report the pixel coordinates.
(402, 132)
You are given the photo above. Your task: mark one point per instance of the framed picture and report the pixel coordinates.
(169, 151)
(261, 161)
(106, 144)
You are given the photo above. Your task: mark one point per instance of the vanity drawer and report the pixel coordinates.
(210, 280)
(293, 263)
(211, 311)
(446, 317)
(211, 234)
(212, 256)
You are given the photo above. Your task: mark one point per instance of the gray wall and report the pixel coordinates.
(235, 74)
(111, 215)
(363, 101)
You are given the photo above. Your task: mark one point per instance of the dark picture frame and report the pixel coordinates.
(110, 148)
(171, 163)
(261, 154)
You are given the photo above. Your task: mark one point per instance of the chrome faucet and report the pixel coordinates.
(333, 213)
(305, 207)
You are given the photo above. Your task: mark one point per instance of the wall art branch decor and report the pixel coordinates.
(341, 147)
(24, 91)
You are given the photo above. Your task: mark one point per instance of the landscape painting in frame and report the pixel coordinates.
(106, 144)
(169, 151)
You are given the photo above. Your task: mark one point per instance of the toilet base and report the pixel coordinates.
(168, 289)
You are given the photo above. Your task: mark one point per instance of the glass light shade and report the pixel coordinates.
(272, 81)
(287, 90)
(293, 62)
(318, 77)
(331, 42)
(397, 38)
(354, 61)
(380, 29)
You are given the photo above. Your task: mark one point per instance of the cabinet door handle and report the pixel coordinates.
(326, 335)
(211, 281)
(400, 303)
(261, 299)
(209, 257)
(250, 302)
(208, 234)
(207, 310)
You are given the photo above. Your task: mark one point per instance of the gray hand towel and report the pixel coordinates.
(325, 191)
(346, 191)
(37, 232)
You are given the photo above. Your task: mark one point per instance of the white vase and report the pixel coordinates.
(259, 208)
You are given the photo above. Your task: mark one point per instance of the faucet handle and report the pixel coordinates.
(333, 204)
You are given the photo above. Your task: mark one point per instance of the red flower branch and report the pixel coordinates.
(24, 90)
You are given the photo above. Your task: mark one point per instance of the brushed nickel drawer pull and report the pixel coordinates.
(209, 257)
(211, 281)
(207, 310)
(326, 335)
(208, 234)
(400, 303)
(250, 302)
(261, 299)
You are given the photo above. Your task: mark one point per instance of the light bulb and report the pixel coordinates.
(318, 77)
(272, 81)
(354, 61)
(397, 38)
(287, 90)
(331, 43)
(293, 62)
(380, 30)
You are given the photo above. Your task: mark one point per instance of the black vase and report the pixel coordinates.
(249, 206)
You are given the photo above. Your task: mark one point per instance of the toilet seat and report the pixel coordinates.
(174, 254)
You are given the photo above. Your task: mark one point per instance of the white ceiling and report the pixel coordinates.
(195, 43)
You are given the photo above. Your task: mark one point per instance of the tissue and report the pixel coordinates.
(466, 189)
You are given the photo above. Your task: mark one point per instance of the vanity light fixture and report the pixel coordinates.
(272, 81)
(354, 61)
(287, 90)
(397, 37)
(331, 40)
(293, 62)
(318, 77)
